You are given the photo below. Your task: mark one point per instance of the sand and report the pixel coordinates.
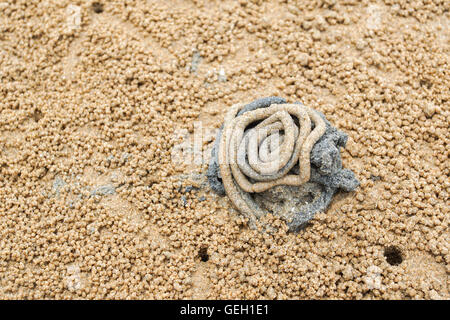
(94, 96)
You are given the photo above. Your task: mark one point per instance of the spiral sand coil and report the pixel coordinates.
(251, 157)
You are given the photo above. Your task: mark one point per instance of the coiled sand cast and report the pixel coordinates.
(264, 145)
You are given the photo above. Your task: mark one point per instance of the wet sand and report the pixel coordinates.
(93, 96)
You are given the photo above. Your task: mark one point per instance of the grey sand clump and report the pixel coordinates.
(298, 205)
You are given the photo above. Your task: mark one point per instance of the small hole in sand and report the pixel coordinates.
(393, 255)
(203, 254)
(97, 7)
(37, 115)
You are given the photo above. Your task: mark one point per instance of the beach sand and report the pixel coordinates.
(96, 96)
